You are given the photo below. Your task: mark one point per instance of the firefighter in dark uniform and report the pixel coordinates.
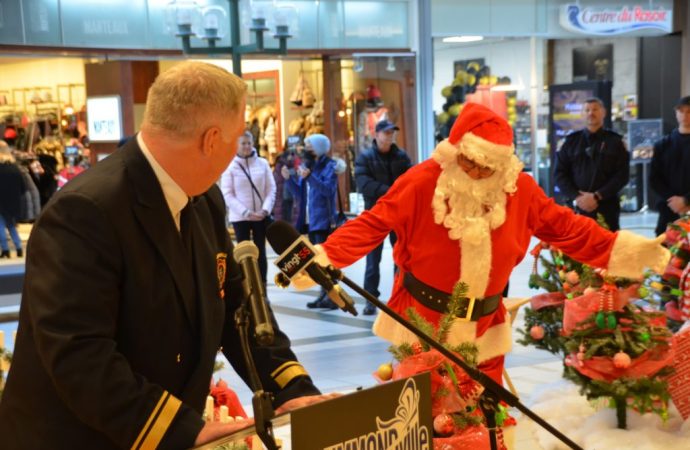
(592, 167)
(131, 288)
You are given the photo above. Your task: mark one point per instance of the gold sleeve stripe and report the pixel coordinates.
(288, 373)
(283, 367)
(154, 413)
(161, 424)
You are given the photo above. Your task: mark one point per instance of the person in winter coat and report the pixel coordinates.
(317, 175)
(250, 192)
(12, 189)
(376, 169)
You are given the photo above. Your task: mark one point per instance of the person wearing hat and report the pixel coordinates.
(467, 214)
(670, 172)
(592, 166)
(376, 169)
(317, 180)
(12, 189)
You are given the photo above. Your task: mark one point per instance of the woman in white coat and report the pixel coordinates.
(249, 191)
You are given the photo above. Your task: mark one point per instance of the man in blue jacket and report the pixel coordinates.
(317, 174)
(376, 169)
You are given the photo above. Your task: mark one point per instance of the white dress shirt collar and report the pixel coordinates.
(173, 193)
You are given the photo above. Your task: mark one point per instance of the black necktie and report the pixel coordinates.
(186, 226)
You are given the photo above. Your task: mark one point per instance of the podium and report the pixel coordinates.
(396, 414)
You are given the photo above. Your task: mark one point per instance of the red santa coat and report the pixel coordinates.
(424, 248)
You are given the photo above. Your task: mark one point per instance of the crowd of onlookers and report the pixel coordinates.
(28, 179)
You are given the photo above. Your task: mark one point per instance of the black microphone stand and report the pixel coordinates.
(262, 402)
(493, 392)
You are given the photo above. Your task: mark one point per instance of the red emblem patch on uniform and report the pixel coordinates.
(221, 270)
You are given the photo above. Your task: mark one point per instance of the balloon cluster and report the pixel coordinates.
(466, 82)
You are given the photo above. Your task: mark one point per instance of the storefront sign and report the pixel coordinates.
(104, 118)
(612, 21)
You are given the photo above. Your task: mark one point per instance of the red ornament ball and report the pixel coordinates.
(621, 360)
(537, 332)
(443, 425)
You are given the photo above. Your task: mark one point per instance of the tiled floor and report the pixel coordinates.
(340, 352)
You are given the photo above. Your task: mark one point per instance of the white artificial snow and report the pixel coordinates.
(593, 426)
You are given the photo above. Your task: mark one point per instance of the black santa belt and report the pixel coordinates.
(471, 309)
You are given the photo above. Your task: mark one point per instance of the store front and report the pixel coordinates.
(536, 65)
(321, 85)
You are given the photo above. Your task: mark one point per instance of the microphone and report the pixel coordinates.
(297, 255)
(246, 254)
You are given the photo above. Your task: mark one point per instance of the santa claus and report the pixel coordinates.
(468, 214)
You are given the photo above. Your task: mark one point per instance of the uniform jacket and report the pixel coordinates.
(670, 174)
(237, 190)
(119, 327)
(594, 162)
(670, 170)
(425, 249)
(375, 172)
(321, 186)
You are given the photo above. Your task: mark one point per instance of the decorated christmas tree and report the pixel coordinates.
(671, 290)
(617, 350)
(562, 277)
(458, 422)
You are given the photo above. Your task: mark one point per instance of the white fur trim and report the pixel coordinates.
(485, 153)
(495, 342)
(632, 253)
(501, 158)
(475, 264)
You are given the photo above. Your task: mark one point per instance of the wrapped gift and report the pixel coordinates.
(679, 381)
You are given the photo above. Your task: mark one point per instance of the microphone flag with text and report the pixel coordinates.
(246, 254)
(297, 255)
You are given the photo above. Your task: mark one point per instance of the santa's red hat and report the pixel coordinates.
(483, 136)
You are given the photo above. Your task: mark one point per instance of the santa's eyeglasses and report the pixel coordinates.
(473, 169)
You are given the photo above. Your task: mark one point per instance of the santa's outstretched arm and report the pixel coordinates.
(624, 254)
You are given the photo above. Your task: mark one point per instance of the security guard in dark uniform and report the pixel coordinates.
(128, 296)
(592, 167)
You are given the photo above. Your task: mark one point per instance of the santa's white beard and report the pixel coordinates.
(470, 209)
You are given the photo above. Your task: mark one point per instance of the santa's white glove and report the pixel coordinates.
(632, 253)
(302, 280)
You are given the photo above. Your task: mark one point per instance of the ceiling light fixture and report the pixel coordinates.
(462, 39)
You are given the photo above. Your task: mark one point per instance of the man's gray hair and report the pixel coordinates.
(596, 100)
(191, 96)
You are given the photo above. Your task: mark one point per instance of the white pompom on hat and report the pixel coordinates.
(320, 143)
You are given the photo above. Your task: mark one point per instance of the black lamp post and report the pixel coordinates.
(182, 12)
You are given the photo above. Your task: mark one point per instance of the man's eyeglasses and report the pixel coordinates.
(473, 169)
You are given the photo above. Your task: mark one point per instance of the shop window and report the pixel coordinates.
(362, 91)
(263, 112)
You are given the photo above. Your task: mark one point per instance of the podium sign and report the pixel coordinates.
(395, 415)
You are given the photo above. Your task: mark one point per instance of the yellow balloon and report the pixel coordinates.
(510, 109)
(461, 74)
(471, 79)
(455, 109)
(493, 79)
(484, 81)
(473, 65)
(512, 101)
(442, 117)
(446, 91)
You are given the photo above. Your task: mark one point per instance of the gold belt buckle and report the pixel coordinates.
(470, 309)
